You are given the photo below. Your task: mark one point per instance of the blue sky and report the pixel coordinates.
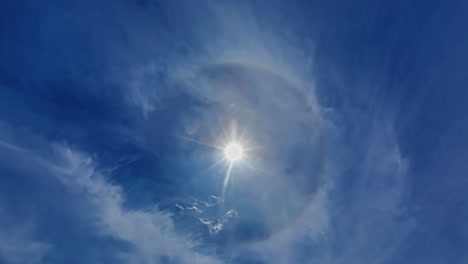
(114, 115)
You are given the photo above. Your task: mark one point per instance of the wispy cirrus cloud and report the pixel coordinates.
(216, 226)
(331, 179)
(147, 235)
(17, 242)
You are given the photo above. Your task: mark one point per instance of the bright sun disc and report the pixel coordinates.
(233, 152)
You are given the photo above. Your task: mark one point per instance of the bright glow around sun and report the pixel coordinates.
(233, 152)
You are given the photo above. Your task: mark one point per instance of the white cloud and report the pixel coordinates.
(150, 231)
(216, 226)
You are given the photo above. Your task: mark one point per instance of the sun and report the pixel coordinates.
(236, 152)
(233, 152)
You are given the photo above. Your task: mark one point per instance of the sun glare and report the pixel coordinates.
(233, 152)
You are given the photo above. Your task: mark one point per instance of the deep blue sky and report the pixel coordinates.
(356, 113)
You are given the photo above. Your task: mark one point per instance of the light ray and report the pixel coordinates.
(253, 147)
(204, 172)
(252, 168)
(201, 143)
(213, 166)
(226, 179)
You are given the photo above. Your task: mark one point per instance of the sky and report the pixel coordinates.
(115, 115)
